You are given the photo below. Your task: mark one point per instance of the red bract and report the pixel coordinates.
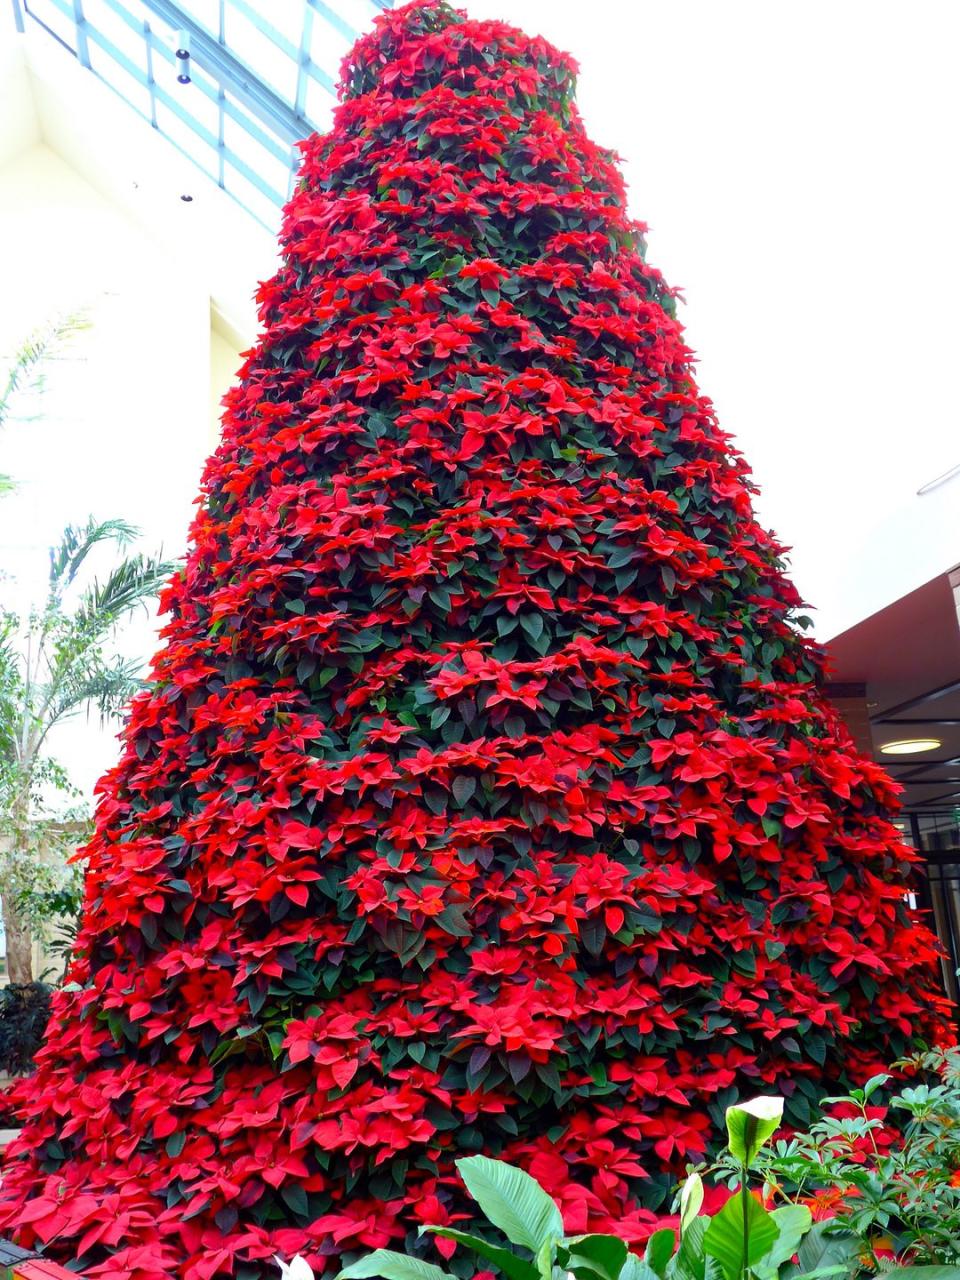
(485, 796)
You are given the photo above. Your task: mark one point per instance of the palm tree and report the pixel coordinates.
(27, 368)
(55, 664)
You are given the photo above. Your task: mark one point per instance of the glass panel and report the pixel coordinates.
(267, 167)
(255, 48)
(107, 67)
(952, 904)
(906, 833)
(198, 98)
(263, 209)
(52, 16)
(109, 23)
(319, 106)
(939, 832)
(328, 47)
(243, 120)
(944, 884)
(267, 36)
(355, 14)
(187, 140)
(206, 12)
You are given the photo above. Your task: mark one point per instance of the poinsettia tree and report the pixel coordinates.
(485, 797)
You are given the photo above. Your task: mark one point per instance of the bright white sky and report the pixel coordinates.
(795, 162)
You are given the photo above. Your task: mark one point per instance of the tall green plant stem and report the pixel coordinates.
(744, 1210)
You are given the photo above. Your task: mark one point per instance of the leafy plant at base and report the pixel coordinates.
(743, 1241)
(24, 1011)
(890, 1174)
(485, 797)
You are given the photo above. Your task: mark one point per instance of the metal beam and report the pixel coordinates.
(303, 61)
(218, 61)
(83, 50)
(921, 720)
(926, 805)
(942, 692)
(916, 769)
(151, 82)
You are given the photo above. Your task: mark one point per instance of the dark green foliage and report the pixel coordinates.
(24, 1011)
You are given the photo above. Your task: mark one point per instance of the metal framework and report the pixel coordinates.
(936, 835)
(918, 771)
(174, 52)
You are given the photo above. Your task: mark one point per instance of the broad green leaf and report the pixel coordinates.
(512, 1266)
(750, 1124)
(512, 1201)
(391, 1265)
(793, 1222)
(723, 1238)
(690, 1261)
(923, 1273)
(821, 1273)
(545, 1257)
(636, 1269)
(691, 1200)
(659, 1250)
(597, 1255)
(822, 1249)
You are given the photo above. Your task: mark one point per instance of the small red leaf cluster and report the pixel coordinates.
(484, 796)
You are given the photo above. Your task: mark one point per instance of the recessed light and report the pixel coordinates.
(908, 746)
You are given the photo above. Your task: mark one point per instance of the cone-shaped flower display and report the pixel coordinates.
(484, 797)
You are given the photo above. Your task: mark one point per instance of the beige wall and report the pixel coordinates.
(224, 363)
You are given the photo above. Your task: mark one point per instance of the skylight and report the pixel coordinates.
(234, 84)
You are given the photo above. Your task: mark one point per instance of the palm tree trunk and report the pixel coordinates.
(16, 929)
(19, 944)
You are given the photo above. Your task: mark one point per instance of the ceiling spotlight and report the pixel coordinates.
(189, 199)
(909, 746)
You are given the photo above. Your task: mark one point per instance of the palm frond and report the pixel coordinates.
(11, 687)
(26, 371)
(131, 583)
(76, 544)
(107, 687)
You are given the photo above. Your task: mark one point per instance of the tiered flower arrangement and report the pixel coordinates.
(484, 797)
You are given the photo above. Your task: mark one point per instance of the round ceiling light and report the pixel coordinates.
(908, 746)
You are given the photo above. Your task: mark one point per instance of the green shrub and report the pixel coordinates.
(24, 1012)
(888, 1175)
(744, 1240)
